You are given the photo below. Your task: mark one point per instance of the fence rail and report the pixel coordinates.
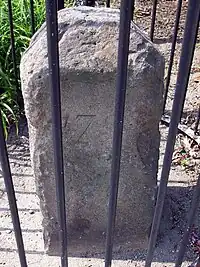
(126, 15)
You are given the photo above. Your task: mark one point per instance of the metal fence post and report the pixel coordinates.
(178, 14)
(181, 87)
(197, 121)
(107, 3)
(192, 213)
(54, 78)
(188, 77)
(123, 49)
(133, 9)
(11, 196)
(12, 40)
(32, 16)
(90, 3)
(153, 19)
(60, 4)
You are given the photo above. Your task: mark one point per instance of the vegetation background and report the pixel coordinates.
(11, 102)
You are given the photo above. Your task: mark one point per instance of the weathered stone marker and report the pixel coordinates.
(88, 41)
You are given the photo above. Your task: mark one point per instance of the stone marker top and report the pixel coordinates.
(97, 50)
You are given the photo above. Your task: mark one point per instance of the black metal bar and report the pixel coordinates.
(188, 77)
(11, 196)
(54, 76)
(123, 48)
(32, 16)
(197, 121)
(132, 9)
(192, 213)
(90, 3)
(107, 3)
(60, 4)
(181, 87)
(153, 19)
(178, 13)
(12, 39)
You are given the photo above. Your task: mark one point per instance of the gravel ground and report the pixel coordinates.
(173, 221)
(180, 187)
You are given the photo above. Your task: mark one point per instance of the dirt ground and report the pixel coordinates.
(181, 181)
(172, 225)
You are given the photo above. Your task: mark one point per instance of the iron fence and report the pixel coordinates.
(54, 72)
(186, 58)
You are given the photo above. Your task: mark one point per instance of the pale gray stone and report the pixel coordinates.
(88, 40)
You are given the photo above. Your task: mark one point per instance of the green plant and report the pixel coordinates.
(69, 3)
(8, 114)
(9, 94)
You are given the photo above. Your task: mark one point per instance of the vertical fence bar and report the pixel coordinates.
(197, 121)
(192, 213)
(153, 19)
(32, 16)
(178, 13)
(188, 77)
(11, 196)
(90, 3)
(54, 75)
(12, 39)
(60, 4)
(133, 9)
(107, 3)
(123, 48)
(181, 87)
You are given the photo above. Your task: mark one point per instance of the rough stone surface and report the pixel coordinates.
(88, 40)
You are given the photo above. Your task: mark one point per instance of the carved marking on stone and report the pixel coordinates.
(90, 117)
(86, 115)
(66, 118)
